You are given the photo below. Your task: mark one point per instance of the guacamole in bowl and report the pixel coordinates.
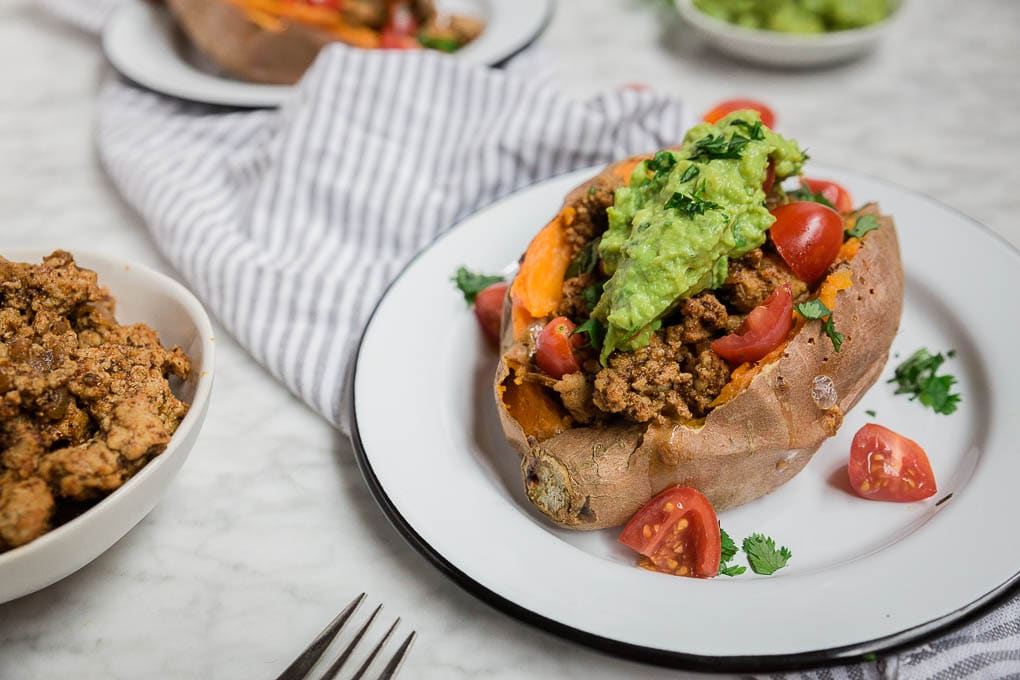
(791, 33)
(798, 16)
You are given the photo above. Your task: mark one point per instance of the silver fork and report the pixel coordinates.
(299, 669)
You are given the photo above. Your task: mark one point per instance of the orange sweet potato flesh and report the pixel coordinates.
(766, 432)
(538, 286)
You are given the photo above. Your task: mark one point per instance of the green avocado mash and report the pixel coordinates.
(683, 214)
(797, 16)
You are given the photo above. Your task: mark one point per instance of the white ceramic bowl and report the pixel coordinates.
(144, 296)
(787, 50)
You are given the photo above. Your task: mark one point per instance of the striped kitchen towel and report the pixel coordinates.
(289, 223)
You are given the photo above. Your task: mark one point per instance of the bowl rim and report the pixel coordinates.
(192, 419)
(768, 38)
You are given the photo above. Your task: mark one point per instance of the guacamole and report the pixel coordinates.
(683, 214)
(797, 16)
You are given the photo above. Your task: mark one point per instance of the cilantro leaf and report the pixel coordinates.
(586, 260)
(763, 556)
(816, 309)
(918, 377)
(663, 162)
(863, 225)
(592, 294)
(594, 331)
(729, 548)
(835, 336)
(472, 283)
(731, 569)
(690, 205)
(813, 309)
(591, 190)
(871, 412)
(690, 173)
(805, 194)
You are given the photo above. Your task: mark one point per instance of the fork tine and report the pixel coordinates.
(371, 657)
(298, 669)
(398, 659)
(338, 664)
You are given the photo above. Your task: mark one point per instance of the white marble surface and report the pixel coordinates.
(269, 529)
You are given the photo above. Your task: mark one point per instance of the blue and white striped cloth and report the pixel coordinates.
(289, 223)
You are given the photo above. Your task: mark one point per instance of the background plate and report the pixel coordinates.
(142, 42)
(430, 444)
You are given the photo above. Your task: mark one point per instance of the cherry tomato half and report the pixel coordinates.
(833, 193)
(677, 532)
(400, 30)
(489, 310)
(727, 107)
(808, 236)
(554, 348)
(763, 329)
(885, 466)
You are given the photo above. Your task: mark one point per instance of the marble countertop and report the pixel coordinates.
(269, 528)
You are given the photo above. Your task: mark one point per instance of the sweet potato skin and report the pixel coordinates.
(598, 477)
(222, 32)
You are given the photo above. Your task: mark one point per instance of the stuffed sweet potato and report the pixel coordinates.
(684, 320)
(275, 41)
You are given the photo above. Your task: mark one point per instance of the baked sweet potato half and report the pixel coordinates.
(275, 41)
(596, 443)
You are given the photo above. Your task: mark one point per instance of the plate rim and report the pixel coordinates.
(260, 95)
(755, 663)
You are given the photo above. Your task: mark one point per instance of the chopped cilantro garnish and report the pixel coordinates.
(591, 190)
(690, 173)
(717, 146)
(816, 309)
(663, 162)
(754, 130)
(586, 260)
(728, 552)
(591, 295)
(442, 44)
(917, 376)
(805, 194)
(594, 331)
(943, 499)
(690, 205)
(731, 569)
(863, 225)
(871, 412)
(763, 556)
(471, 283)
(729, 548)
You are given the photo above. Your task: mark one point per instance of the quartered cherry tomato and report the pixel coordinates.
(886, 466)
(763, 329)
(554, 348)
(808, 236)
(833, 193)
(489, 310)
(727, 107)
(677, 532)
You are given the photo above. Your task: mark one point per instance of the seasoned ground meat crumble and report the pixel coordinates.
(677, 375)
(84, 402)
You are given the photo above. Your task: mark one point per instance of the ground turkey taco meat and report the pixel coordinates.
(84, 402)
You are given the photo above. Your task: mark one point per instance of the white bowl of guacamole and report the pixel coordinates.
(791, 33)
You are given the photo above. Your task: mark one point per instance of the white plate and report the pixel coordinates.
(143, 43)
(142, 296)
(865, 576)
(787, 49)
